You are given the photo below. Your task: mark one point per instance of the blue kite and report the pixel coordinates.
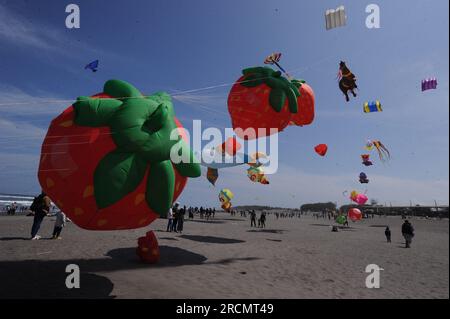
(363, 178)
(92, 66)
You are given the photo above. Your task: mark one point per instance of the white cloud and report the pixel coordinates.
(15, 29)
(10, 130)
(14, 101)
(18, 173)
(20, 31)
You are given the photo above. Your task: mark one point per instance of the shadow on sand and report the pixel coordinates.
(13, 238)
(46, 278)
(321, 225)
(204, 221)
(269, 231)
(231, 260)
(212, 239)
(348, 228)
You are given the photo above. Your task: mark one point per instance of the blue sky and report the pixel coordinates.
(182, 45)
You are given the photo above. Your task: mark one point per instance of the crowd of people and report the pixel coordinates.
(288, 215)
(42, 207)
(176, 216)
(13, 208)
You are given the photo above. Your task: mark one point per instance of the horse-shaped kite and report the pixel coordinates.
(347, 80)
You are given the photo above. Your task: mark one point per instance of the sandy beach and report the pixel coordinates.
(226, 258)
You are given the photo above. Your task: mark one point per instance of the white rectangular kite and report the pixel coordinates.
(335, 18)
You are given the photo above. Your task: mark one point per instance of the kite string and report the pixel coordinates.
(211, 87)
(291, 71)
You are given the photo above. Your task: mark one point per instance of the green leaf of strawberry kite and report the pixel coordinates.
(140, 128)
(281, 88)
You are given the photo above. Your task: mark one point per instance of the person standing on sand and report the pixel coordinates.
(170, 220)
(40, 207)
(176, 212)
(408, 233)
(387, 232)
(12, 210)
(346, 222)
(263, 220)
(59, 224)
(181, 215)
(252, 218)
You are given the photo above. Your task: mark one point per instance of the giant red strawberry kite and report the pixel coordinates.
(105, 160)
(262, 99)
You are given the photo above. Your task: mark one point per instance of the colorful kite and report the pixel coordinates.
(374, 106)
(256, 174)
(225, 197)
(212, 175)
(366, 160)
(106, 161)
(274, 58)
(382, 151)
(358, 198)
(369, 145)
(429, 84)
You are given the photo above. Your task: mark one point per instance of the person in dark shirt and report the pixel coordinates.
(262, 220)
(41, 207)
(180, 223)
(408, 233)
(387, 232)
(252, 218)
(176, 214)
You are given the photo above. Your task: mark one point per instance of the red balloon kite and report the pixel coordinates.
(230, 146)
(321, 149)
(354, 214)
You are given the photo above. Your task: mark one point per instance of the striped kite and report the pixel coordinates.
(374, 106)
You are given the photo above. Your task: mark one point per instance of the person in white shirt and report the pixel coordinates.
(59, 224)
(170, 219)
